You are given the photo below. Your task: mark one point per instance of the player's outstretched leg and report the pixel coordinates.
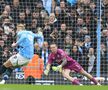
(66, 73)
(89, 76)
(5, 66)
(2, 69)
(6, 75)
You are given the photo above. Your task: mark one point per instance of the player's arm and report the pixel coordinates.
(59, 68)
(47, 69)
(19, 40)
(50, 60)
(40, 39)
(64, 62)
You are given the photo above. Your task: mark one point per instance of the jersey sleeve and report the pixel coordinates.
(21, 38)
(62, 54)
(40, 39)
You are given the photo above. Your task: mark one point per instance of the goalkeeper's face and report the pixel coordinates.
(53, 48)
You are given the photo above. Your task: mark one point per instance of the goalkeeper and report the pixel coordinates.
(66, 65)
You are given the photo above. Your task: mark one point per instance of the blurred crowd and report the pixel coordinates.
(71, 24)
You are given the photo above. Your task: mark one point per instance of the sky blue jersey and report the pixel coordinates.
(25, 41)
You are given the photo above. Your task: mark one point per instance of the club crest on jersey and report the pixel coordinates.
(53, 57)
(58, 56)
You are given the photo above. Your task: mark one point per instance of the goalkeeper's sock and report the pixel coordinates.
(94, 80)
(2, 69)
(76, 82)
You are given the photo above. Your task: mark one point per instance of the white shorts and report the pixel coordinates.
(18, 60)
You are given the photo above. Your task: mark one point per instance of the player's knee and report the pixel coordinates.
(64, 74)
(82, 71)
(8, 64)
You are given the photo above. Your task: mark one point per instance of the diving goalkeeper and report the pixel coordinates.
(66, 65)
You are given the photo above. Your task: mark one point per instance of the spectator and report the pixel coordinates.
(8, 26)
(43, 15)
(54, 35)
(16, 8)
(91, 60)
(80, 11)
(34, 25)
(86, 2)
(28, 16)
(81, 30)
(63, 16)
(47, 30)
(81, 48)
(53, 21)
(75, 53)
(62, 35)
(35, 14)
(57, 11)
(22, 18)
(104, 37)
(70, 32)
(104, 40)
(8, 9)
(5, 14)
(44, 52)
(104, 62)
(68, 44)
(39, 5)
(89, 52)
(2, 5)
(93, 7)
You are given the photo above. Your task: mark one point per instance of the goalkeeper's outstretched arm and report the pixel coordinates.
(64, 62)
(59, 68)
(47, 69)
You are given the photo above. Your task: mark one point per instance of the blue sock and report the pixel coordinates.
(2, 69)
(5, 77)
(7, 74)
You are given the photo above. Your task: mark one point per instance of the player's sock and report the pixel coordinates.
(94, 80)
(7, 74)
(76, 82)
(2, 69)
(5, 77)
(9, 71)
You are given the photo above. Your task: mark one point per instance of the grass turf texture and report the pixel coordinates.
(50, 87)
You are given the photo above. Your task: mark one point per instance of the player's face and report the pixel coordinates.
(53, 48)
(20, 28)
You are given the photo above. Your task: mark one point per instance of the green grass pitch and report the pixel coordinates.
(50, 87)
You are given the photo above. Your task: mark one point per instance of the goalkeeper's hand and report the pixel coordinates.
(46, 72)
(58, 68)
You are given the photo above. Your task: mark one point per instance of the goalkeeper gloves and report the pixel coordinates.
(46, 72)
(58, 68)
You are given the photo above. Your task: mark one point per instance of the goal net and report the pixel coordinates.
(79, 27)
